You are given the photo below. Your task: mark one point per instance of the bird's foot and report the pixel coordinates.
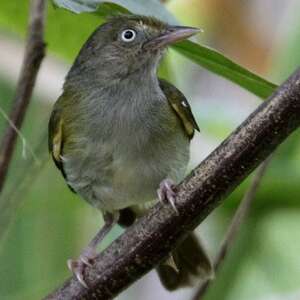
(166, 193)
(77, 267)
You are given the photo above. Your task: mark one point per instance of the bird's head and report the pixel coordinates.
(127, 44)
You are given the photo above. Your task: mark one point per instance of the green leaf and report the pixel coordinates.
(110, 9)
(143, 7)
(77, 6)
(217, 63)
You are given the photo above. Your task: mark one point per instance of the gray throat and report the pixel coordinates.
(120, 107)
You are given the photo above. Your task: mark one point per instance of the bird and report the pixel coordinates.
(120, 135)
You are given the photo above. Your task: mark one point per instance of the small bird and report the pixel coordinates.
(120, 135)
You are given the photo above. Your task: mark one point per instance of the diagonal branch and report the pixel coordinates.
(34, 53)
(152, 237)
(234, 226)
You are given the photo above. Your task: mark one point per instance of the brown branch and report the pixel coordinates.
(152, 237)
(234, 226)
(34, 53)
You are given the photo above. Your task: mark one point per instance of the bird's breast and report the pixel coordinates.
(124, 147)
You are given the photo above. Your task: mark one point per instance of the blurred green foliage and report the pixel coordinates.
(65, 31)
(216, 62)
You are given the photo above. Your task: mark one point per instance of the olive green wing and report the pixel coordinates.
(56, 140)
(181, 107)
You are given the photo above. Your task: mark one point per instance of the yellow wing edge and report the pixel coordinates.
(181, 106)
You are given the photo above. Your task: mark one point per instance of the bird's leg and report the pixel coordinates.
(89, 254)
(166, 193)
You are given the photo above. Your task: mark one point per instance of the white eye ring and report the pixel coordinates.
(128, 35)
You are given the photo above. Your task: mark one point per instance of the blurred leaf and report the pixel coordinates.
(144, 7)
(110, 9)
(287, 56)
(102, 9)
(77, 6)
(217, 63)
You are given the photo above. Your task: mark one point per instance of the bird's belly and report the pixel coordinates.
(116, 178)
(136, 181)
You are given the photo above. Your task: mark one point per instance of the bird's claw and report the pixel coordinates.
(166, 193)
(78, 266)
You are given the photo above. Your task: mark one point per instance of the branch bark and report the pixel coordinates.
(234, 226)
(152, 237)
(34, 53)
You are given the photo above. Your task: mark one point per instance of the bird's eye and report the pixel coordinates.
(128, 35)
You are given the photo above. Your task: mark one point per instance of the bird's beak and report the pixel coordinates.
(172, 35)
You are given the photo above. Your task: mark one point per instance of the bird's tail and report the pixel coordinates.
(185, 264)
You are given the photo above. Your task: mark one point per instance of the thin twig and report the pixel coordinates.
(149, 241)
(34, 54)
(25, 145)
(234, 226)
